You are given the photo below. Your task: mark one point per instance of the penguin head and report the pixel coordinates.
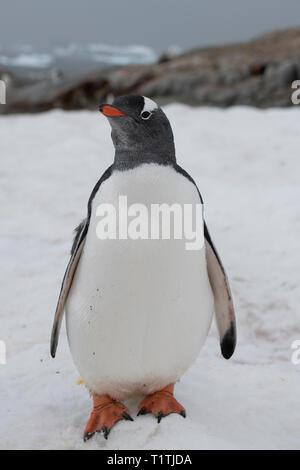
(139, 126)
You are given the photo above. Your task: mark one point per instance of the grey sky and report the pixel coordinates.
(156, 23)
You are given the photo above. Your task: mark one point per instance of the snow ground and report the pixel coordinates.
(246, 163)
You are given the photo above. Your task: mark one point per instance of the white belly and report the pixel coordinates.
(138, 311)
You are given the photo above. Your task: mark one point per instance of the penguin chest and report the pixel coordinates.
(140, 307)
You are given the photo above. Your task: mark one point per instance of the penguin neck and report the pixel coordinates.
(128, 159)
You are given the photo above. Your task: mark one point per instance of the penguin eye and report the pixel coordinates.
(145, 115)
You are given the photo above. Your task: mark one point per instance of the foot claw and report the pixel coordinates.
(142, 411)
(183, 413)
(87, 436)
(105, 432)
(127, 416)
(159, 416)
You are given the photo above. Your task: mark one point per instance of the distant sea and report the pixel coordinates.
(70, 59)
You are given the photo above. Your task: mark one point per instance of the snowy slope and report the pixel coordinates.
(246, 163)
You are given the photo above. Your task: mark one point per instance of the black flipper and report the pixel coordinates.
(224, 309)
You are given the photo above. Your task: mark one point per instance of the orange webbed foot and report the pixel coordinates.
(161, 404)
(106, 413)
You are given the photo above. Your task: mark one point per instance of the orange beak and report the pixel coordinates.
(110, 111)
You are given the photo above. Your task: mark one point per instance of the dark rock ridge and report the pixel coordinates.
(255, 73)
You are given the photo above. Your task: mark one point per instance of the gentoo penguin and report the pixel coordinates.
(138, 310)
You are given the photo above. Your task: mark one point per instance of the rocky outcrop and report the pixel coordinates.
(257, 73)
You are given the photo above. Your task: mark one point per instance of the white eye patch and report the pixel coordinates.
(149, 105)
